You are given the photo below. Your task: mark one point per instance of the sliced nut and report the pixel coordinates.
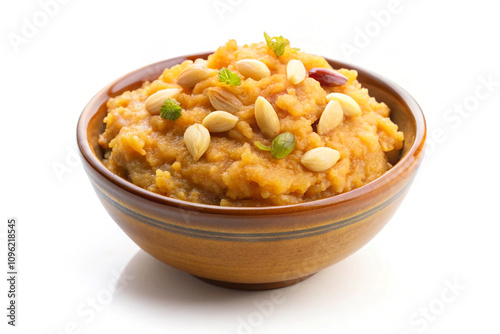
(192, 75)
(320, 159)
(266, 117)
(197, 139)
(219, 121)
(295, 71)
(155, 101)
(330, 118)
(327, 77)
(349, 106)
(221, 99)
(253, 68)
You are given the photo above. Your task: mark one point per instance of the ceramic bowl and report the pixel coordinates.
(248, 247)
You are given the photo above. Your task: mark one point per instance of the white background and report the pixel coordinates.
(70, 251)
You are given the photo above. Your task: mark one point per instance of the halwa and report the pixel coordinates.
(255, 125)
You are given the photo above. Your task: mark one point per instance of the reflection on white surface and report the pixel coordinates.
(175, 299)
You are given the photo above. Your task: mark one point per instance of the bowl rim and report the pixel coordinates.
(399, 168)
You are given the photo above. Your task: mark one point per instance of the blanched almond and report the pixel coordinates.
(221, 99)
(197, 140)
(266, 118)
(349, 106)
(330, 118)
(201, 62)
(155, 101)
(295, 71)
(192, 75)
(219, 121)
(253, 68)
(320, 159)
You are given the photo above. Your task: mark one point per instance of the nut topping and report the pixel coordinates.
(197, 139)
(327, 77)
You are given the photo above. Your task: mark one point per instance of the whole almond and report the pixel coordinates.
(266, 118)
(155, 101)
(320, 159)
(349, 106)
(253, 68)
(327, 77)
(219, 121)
(295, 71)
(192, 75)
(330, 118)
(197, 140)
(221, 99)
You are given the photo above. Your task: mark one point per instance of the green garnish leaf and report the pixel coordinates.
(171, 109)
(278, 44)
(262, 146)
(229, 77)
(282, 145)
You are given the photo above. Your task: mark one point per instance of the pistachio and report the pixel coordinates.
(327, 77)
(253, 68)
(282, 145)
(320, 159)
(349, 106)
(221, 99)
(330, 118)
(219, 121)
(192, 75)
(197, 139)
(295, 71)
(155, 101)
(266, 117)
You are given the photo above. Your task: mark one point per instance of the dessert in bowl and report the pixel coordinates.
(251, 167)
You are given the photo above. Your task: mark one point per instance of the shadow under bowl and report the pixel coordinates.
(253, 248)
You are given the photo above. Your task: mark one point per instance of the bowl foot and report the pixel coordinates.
(254, 286)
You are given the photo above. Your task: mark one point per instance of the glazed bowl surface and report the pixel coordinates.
(253, 247)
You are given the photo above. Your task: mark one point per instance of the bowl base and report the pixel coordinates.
(254, 286)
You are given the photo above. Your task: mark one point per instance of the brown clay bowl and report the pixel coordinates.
(253, 248)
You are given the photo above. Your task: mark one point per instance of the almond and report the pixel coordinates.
(253, 68)
(330, 118)
(320, 159)
(295, 71)
(266, 118)
(155, 101)
(349, 106)
(192, 75)
(197, 140)
(201, 62)
(221, 99)
(219, 121)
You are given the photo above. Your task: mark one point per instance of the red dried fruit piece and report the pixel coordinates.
(327, 77)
